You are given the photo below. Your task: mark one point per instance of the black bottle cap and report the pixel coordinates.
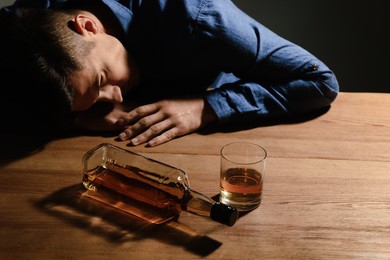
(224, 214)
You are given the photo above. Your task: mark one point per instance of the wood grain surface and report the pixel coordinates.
(326, 194)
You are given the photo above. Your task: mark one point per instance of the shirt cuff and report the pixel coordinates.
(219, 102)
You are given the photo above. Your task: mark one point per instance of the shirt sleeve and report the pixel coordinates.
(274, 77)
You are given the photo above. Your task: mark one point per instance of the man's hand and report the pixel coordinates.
(164, 120)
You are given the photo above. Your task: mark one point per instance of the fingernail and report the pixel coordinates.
(122, 136)
(134, 141)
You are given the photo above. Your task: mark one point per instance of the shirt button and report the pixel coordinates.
(314, 67)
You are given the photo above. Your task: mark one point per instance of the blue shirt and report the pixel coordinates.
(246, 72)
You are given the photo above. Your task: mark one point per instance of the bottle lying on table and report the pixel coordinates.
(146, 188)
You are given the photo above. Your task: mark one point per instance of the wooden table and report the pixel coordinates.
(326, 194)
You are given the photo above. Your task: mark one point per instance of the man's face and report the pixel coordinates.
(107, 75)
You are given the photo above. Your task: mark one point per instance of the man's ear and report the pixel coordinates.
(85, 25)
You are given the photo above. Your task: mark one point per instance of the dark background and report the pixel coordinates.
(351, 37)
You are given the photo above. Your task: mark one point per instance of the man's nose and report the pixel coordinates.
(110, 93)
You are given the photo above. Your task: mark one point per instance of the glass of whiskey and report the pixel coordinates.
(242, 175)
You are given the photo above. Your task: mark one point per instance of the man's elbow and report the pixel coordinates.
(329, 87)
(319, 93)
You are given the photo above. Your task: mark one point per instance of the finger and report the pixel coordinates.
(165, 137)
(139, 112)
(151, 132)
(142, 125)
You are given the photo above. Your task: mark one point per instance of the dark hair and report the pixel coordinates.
(39, 50)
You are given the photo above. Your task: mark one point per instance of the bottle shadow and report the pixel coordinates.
(117, 226)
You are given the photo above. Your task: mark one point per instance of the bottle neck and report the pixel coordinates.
(198, 204)
(202, 205)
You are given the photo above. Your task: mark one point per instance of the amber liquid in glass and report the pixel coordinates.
(241, 188)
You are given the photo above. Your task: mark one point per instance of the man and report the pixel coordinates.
(181, 65)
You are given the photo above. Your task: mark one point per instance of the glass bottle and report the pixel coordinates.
(146, 188)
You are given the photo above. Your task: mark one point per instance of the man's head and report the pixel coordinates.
(59, 62)
(107, 71)
(38, 55)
